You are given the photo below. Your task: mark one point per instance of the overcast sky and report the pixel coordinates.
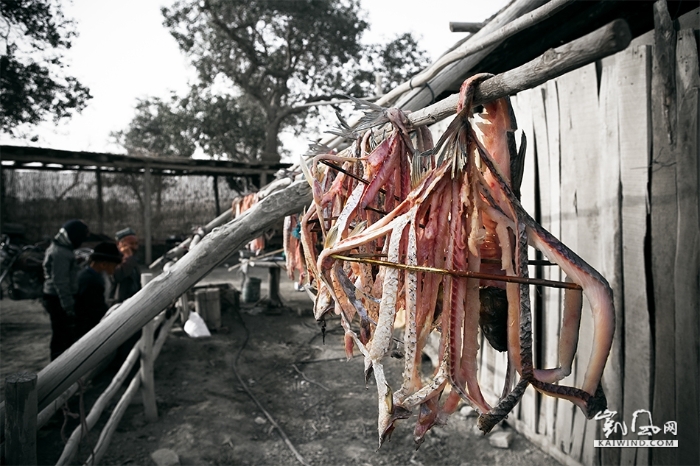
(123, 53)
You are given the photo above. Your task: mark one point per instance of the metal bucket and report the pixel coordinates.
(251, 290)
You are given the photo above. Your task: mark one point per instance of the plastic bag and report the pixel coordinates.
(195, 326)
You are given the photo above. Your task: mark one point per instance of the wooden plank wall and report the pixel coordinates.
(613, 172)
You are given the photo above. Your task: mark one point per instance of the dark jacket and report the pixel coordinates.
(90, 304)
(61, 271)
(126, 281)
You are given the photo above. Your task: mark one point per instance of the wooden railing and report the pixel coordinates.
(21, 390)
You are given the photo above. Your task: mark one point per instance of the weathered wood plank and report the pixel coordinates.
(545, 121)
(664, 218)
(589, 194)
(544, 443)
(548, 311)
(580, 226)
(523, 112)
(610, 248)
(567, 87)
(634, 121)
(688, 245)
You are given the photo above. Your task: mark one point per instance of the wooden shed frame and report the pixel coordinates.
(99, 163)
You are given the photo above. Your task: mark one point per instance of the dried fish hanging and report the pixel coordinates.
(240, 205)
(451, 252)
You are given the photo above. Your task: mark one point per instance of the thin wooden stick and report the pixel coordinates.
(163, 335)
(267, 254)
(47, 413)
(463, 273)
(369, 255)
(113, 422)
(93, 416)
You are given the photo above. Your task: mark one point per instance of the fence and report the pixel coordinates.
(618, 184)
(154, 334)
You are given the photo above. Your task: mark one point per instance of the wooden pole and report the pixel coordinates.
(93, 416)
(184, 308)
(519, 15)
(607, 40)
(100, 201)
(147, 211)
(274, 287)
(20, 422)
(148, 385)
(465, 27)
(104, 399)
(113, 422)
(216, 195)
(180, 249)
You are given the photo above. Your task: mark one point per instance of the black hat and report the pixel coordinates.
(77, 232)
(121, 234)
(106, 252)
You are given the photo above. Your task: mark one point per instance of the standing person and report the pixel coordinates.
(127, 277)
(90, 303)
(61, 283)
(126, 282)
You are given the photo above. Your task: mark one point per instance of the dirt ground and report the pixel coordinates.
(205, 416)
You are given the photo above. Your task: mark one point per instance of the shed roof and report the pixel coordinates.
(41, 158)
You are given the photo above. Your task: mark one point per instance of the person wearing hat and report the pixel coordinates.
(126, 281)
(90, 303)
(61, 283)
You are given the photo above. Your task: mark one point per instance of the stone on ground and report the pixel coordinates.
(501, 439)
(165, 457)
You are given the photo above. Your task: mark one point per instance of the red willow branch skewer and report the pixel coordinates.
(463, 273)
(483, 260)
(357, 178)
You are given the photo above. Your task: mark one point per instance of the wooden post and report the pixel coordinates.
(274, 287)
(184, 309)
(2, 194)
(663, 218)
(148, 389)
(378, 89)
(216, 195)
(687, 298)
(208, 305)
(100, 201)
(20, 420)
(147, 211)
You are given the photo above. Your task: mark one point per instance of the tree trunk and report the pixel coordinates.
(270, 152)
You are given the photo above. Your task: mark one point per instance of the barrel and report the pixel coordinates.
(251, 290)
